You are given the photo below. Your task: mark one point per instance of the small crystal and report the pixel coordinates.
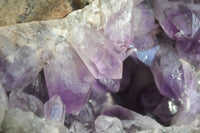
(107, 124)
(54, 109)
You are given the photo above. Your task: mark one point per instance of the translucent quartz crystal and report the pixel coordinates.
(131, 121)
(172, 75)
(54, 109)
(67, 76)
(190, 51)
(17, 121)
(114, 85)
(3, 104)
(147, 56)
(98, 102)
(144, 28)
(179, 19)
(19, 68)
(26, 102)
(189, 110)
(144, 20)
(119, 27)
(103, 61)
(107, 124)
(82, 57)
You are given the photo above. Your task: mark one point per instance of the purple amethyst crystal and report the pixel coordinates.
(179, 19)
(19, 99)
(131, 121)
(114, 85)
(147, 56)
(54, 109)
(189, 110)
(18, 69)
(103, 61)
(189, 51)
(121, 34)
(106, 124)
(144, 21)
(150, 98)
(68, 77)
(110, 67)
(172, 76)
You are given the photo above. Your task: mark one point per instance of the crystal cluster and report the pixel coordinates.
(120, 66)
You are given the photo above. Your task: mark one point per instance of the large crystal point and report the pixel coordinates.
(97, 53)
(54, 109)
(67, 76)
(119, 27)
(144, 20)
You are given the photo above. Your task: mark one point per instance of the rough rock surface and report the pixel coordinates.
(21, 11)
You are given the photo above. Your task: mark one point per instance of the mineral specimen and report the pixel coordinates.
(120, 66)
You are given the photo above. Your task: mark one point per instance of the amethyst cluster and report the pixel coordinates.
(122, 66)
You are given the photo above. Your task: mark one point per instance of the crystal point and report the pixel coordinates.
(68, 77)
(54, 109)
